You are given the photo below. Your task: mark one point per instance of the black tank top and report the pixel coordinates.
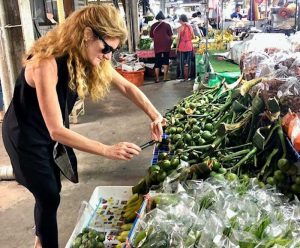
(24, 124)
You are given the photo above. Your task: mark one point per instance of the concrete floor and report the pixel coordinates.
(112, 120)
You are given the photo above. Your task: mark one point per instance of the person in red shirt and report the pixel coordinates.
(185, 47)
(161, 33)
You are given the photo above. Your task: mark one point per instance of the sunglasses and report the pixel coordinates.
(107, 48)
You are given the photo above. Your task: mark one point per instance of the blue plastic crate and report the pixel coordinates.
(292, 150)
(157, 151)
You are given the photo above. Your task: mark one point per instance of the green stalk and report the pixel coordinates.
(191, 148)
(217, 141)
(282, 141)
(268, 161)
(255, 160)
(271, 133)
(223, 109)
(235, 154)
(224, 117)
(245, 159)
(233, 147)
(248, 85)
(233, 117)
(231, 128)
(257, 107)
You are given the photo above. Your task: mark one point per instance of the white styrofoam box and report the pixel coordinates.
(119, 192)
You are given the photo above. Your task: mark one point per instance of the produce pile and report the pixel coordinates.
(145, 43)
(219, 214)
(226, 133)
(129, 215)
(270, 63)
(220, 40)
(110, 224)
(89, 238)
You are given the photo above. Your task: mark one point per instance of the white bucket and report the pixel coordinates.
(6, 173)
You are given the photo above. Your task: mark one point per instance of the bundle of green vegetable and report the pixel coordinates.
(218, 214)
(145, 43)
(226, 134)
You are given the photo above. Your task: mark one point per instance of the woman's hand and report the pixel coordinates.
(156, 128)
(122, 151)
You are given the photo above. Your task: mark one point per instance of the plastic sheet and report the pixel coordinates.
(295, 42)
(222, 214)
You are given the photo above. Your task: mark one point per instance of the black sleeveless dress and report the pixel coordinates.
(25, 135)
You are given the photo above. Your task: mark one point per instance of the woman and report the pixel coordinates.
(71, 61)
(161, 33)
(185, 47)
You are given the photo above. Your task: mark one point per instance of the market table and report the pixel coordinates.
(221, 69)
(146, 54)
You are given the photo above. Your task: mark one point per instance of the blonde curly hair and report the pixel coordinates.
(68, 39)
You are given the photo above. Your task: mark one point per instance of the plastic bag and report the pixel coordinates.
(290, 88)
(251, 62)
(221, 214)
(295, 42)
(295, 67)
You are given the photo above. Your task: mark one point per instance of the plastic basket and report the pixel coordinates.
(157, 151)
(135, 77)
(292, 150)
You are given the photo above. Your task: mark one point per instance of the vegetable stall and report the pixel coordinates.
(226, 173)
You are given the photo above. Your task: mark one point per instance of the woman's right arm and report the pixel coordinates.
(44, 78)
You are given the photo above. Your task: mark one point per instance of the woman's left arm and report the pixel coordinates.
(134, 94)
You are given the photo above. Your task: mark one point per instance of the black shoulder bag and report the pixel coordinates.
(64, 156)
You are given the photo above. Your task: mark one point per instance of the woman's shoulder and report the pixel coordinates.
(43, 64)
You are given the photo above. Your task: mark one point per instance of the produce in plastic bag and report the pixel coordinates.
(295, 42)
(251, 62)
(289, 94)
(240, 215)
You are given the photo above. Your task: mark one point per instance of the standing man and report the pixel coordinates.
(236, 13)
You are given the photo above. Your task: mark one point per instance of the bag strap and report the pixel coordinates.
(67, 124)
(157, 26)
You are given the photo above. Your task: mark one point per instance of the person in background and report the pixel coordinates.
(60, 67)
(236, 13)
(161, 33)
(195, 25)
(1, 104)
(197, 18)
(185, 47)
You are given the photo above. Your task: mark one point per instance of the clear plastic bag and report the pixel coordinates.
(290, 88)
(251, 62)
(295, 42)
(221, 214)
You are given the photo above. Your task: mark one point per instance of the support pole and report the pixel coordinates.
(6, 62)
(132, 24)
(163, 6)
(297, 17)
(27, 23)
(15, 21)
(60, 11)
